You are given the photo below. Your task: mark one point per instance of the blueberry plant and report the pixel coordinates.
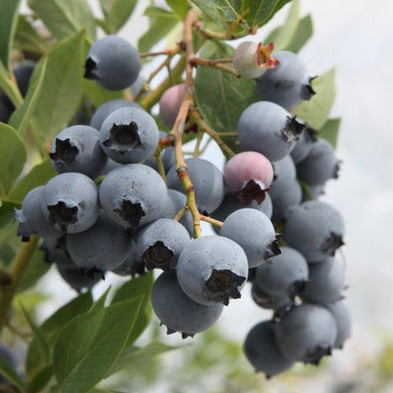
(94, 179)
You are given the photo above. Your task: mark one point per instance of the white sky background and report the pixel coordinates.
(354, 36)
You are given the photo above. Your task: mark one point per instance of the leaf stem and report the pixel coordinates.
(18, 267)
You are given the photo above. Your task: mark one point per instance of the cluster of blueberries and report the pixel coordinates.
(126, 224)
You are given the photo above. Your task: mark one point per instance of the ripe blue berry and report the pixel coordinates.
(161, 242)
(269, 129)
(129, 135)
(212, 270)
(70, 202)
(303, 145)
(254, 232)
(133, 195)
(286, 276)
(32, 220)
(177, 311)
(315, 229)
(306, 333)
(208, 182)
(113, 63)
(102, 247)
(343, 320)
(288, 83)
(78, 149)
(176, 202)
(326, 283)
(262, 352)
(267, 301)
(109, 107)
(320, 164)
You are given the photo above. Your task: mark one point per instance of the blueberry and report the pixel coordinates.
(326, 283)
(306, 333)
(254, 232)
(248, 176)
(177, 311)
(31, 218)
(343, 320)
(161, 242)
(6, 110)
(269, 129)
(132, 265)
(137, 86)
(107, 108)
(230, 204)
(320, 164)
(286, 276)
(288, 83)
(113, 63)
(262, 352)
(102, 247)
(10, 359)
(78, 149)
(129, 135)
(268, 301)
(170, 103)
(212, 270)
(133, 195)
(70, 202)
(315, 229)
(208, 183)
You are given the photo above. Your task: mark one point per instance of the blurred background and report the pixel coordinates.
(354, 37)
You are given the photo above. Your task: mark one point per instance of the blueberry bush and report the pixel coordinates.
(96, 176)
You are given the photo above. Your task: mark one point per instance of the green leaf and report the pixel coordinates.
(158, 28)
(221, 10)
(10, 375)
(288, 29)
(39, 175)
(65, 18)
(27, 37)
(140, 286)
(89, 345)
(13, 157)
(302, 34)
(179, 7)
(316, 111)
(57, 105)
(36, 268)
(261, 11)
(134, 355)
(329, 131)
(40, 380)
(50, 329)
(7, 212)
(8, 18)
(221, 97)
(117, 13)
(158, 12)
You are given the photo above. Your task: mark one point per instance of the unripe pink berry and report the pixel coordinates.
(170, 103)
(252, 59)
(248, 175)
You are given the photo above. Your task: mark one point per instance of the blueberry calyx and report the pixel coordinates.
(62, 214)
(123, 135)
(314, 355)
(131, 212)
(292, 129)
(158, 256)
(252, 190)
(65, 152)
(90, 69)
(272, 249)
(223, 285)
(332, 243)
